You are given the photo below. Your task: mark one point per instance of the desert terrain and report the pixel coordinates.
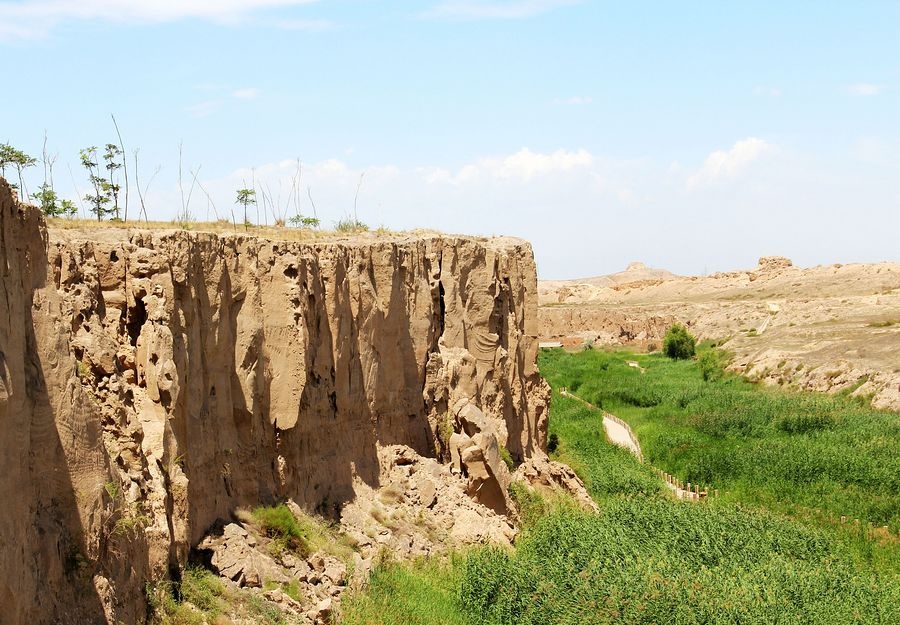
(826, 328)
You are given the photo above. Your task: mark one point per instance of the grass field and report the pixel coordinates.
(806, 454)
(647, 558)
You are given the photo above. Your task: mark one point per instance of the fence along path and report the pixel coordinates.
(620, 433)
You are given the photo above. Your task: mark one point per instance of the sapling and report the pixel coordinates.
(17, 159)
(100, 197)
(111, 155)
(246, 197)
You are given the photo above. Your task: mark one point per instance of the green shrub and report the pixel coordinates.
(350, 225)
(530, 503)
(678, 343)
(507, 458)
(286, 532)
(552, 442)
(198, 588)
(710, 365)
(203, 589)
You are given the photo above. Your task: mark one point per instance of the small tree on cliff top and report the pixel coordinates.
(10, 156)
(246, 197)
(101, 196)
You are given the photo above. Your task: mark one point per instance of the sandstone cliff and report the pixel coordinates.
(153, 381)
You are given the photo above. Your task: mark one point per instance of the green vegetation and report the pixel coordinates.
(19, 160)
(678, 343)
(422, 593)
(201, 598)
(646, 558)
(812, 449)
(301, 535)
(51, 204)
(303, 221)
(198, 589)
(606, 469)
(815, 457)
(710, 365)
(246, 198)
(657, 561)
(350, 225)
(285, 530)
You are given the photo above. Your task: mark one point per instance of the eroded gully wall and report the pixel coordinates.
(155, 381)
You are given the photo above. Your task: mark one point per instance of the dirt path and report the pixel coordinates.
(620, 433)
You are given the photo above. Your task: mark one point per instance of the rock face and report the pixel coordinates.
(153, 381)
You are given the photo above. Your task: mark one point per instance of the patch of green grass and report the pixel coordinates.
(659, 561)
(285, 530)
(420, 593)
(809, 455)
(301, 534)
(202, 599)
(507, 459)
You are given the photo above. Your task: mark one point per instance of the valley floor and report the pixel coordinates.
(772, 549)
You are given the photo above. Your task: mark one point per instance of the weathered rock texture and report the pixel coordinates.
(153, 381)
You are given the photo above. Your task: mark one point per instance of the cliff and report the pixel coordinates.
(153, 381)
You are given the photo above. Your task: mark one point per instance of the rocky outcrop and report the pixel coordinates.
(153, 381)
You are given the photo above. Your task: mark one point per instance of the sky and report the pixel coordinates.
(693, 136)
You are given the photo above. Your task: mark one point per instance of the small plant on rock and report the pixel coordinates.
(286, 532)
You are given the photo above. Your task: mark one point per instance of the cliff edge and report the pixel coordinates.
(152, 382)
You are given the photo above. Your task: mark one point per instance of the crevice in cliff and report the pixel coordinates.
(136, 318)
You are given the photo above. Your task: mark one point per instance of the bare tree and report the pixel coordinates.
(124, 164)
(137, 182)
(356, 198)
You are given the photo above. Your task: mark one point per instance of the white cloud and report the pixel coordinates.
(578, 100)
(306, 25)
(724, 165)
(25, 19)
(495, 9)
(864, 89)
(248, 93)
(522, 166)
(766, 91)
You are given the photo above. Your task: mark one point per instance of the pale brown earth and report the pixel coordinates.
(154, 382)
(824, 328)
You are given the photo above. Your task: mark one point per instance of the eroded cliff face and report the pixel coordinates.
(153, 381)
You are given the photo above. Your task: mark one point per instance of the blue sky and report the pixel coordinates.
(694, 136)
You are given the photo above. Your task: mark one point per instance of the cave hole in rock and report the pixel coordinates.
(291, 272)
(113, 257)
(137, 317)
